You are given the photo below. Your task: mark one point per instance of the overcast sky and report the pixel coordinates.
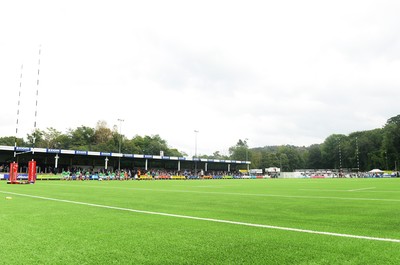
(274, 72)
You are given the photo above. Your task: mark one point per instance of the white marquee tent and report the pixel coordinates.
(376, 171)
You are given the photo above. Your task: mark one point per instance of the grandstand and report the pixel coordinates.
(60, 160)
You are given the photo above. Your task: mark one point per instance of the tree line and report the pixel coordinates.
(101, 138)
(358, 151)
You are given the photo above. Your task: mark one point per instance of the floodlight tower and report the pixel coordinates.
(357, 153)
(247, 154)
(119, 145)
(195, 151)
(340, 159)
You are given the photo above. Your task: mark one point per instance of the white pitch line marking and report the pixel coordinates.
(374, 191)
(209, 219)
(363, 189)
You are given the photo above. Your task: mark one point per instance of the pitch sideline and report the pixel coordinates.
(207, 219)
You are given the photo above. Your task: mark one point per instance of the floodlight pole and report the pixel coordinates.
(340, 160)
(119, 145)
(195, 151)
(247, 155)
(358, 160)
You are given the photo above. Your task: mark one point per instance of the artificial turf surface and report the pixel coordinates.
(45, 231)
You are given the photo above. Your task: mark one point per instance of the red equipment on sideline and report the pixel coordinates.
(13, 178)
(32, 171)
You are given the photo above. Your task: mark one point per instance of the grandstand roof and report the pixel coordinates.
(110, 154)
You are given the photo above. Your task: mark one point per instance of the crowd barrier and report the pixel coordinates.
(21, 176)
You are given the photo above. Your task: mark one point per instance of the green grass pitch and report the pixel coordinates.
(122, 222)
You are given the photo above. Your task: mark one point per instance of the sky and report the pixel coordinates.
(272, 72)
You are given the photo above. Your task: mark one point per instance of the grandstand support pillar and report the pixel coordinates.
(229, 167)
(106, 163)
(205, 167)
(56, 161)
(179, 165)
(146, 163)
(45, 165)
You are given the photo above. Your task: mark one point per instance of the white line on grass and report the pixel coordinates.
(366, 191)
(206, 186)
(208, 219)
(213, 186)
(363, 189)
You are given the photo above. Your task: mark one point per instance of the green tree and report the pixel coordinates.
(131, 146)
(174, 152)
(81, 138)
(35, 139)
(370, 145)
(103, 137)
(10, 141)
(64, 141)
(256, 159)
(51, 137)
(314, 157)
(271, 159)
(154, 144)
(330, 151)
(391, 142)
(290, 158)
(240, 151)
(215, 155)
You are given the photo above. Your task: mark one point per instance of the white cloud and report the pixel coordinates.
(275, 72)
